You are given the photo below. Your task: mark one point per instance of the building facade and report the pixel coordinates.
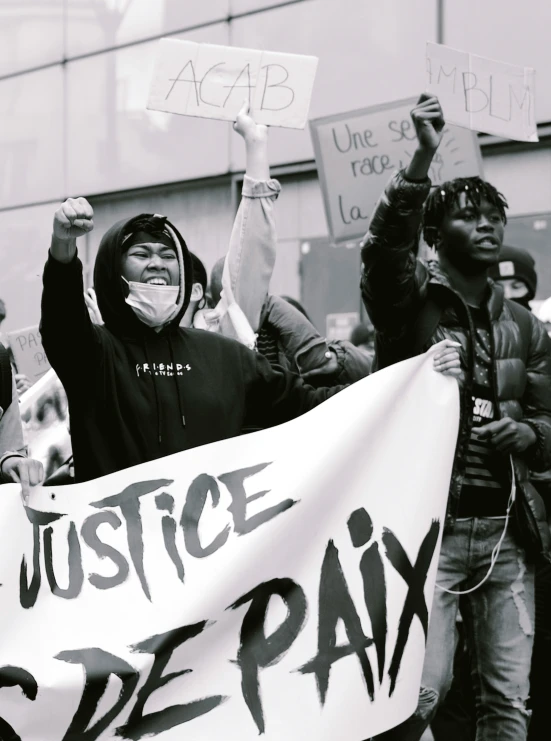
(74, 78)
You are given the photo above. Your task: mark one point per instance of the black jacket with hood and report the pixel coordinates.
(136, 394)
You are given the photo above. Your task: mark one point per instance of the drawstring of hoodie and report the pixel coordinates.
(180, 403)
(157, 404)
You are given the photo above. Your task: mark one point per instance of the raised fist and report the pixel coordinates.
(73, 219)
(428, 119)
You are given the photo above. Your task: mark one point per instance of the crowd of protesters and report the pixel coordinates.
(165, 358)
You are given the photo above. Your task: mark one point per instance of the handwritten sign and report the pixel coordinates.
(212, 81)
(30, 358)
(226, 592)
(357, 152)
(482, 94)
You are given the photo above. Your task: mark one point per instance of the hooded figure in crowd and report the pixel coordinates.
(141, 387)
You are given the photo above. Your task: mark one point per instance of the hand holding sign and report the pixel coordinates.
(25, 471)
(22, 382)
(247, 128)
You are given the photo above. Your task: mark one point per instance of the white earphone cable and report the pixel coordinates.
(497, 548)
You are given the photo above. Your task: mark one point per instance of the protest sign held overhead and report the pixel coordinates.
(212, 81)
(482, 94)
(278, 584)
(29, 355)
(356, 153)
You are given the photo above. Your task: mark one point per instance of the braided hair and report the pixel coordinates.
(444, 197)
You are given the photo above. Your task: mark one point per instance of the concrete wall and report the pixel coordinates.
(74, 77)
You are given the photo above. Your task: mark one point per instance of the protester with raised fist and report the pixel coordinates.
(494, 532)
(139, 386)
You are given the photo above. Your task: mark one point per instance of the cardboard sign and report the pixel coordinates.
(482, 94)
(275, 585)
(213, 81)
(30, 358)
(357, 152)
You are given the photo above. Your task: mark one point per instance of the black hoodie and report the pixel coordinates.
(136, 394)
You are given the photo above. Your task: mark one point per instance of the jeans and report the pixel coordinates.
(499, 628)
(414, 727)
(455, 719)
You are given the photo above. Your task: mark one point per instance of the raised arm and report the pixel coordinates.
(389, 249)
(68, 335)
(310, 354)
(251, 256)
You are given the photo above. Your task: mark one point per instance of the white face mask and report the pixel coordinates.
(153, 305)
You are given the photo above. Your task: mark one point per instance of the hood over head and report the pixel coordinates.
(111, 290)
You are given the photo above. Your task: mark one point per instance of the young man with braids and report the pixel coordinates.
(505, 422)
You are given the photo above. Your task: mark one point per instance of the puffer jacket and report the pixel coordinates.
(396, 287)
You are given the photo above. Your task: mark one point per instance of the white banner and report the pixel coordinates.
(277, 584)
(482, 94)
(212, 81)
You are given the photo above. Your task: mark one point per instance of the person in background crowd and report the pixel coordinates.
(22, 382)
(139, 386)
(493, 535)
(287, 338)
(298, 306)
(15, 466)
(516, 274)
